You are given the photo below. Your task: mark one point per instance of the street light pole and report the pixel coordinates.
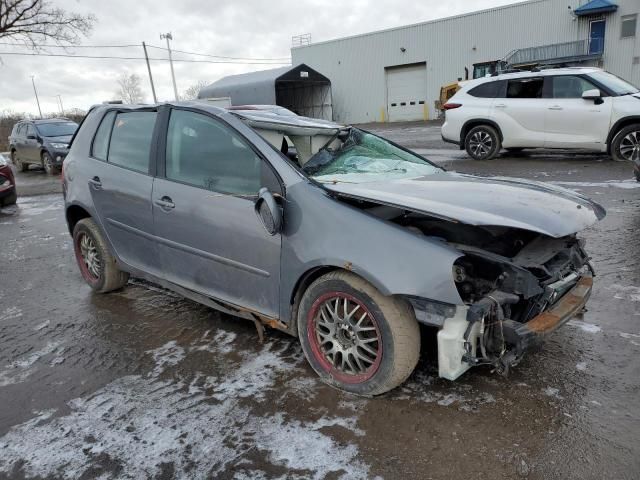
(168, 37)
(59, 97)
(33, 82)
(146, 57)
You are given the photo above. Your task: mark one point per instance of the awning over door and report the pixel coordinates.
(596, 7)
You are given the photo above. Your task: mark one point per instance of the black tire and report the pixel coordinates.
(623, 143)
(482, 142)
(10, 199)
(109, 277)
(393, 334)
(47, 164)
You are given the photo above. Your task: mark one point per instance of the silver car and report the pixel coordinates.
(351, 248)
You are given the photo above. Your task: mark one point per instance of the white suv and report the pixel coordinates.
(581, 108)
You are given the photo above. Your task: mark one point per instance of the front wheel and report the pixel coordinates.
(355, 338)
(97, 265)
(482, 142)
(626, 146)
(47, 164)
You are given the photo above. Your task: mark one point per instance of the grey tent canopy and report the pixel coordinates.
(301, 89)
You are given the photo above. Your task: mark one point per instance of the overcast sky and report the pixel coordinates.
(240, 28)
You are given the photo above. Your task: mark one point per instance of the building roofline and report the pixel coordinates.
(418, 24)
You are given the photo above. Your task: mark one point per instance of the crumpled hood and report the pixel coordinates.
(495, 201)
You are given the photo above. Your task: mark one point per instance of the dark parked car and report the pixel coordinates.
(350, 248)
(41, 142)
(8, 192)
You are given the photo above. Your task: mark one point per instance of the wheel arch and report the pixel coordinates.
(476, 122)
(619, 125)
(74, 214)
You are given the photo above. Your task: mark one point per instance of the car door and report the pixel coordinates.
(570, 120)
(31, 145)
(520, 112)
(19, 139)
(120, 182)
(210, 238)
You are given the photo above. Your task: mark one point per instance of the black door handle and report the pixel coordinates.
(95, 183)
(165, 203)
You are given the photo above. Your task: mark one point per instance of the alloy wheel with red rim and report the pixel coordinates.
(88, 258)
(345, 337)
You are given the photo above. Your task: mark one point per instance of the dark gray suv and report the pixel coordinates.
(350, 247)
(41, 142)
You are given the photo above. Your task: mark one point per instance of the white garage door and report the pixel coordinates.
(406, 92)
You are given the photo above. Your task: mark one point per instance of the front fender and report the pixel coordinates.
(321, 231)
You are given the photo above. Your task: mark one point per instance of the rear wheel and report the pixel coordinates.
(626, 144)
(482, 142)
(355, 338)
(97, 265)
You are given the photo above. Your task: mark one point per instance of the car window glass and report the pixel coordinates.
(569, 86)
(207, 154)
(131, 138)
(31, 131)
(101, 140)
(486, 90)
(525, 88)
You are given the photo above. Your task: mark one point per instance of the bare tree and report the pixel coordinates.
(33, 21)
(129, 88)
(192, 92)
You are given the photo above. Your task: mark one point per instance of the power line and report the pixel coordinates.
(71, 47)
(218, 56)
(113, 57)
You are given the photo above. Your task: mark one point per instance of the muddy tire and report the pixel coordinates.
(355, 338)
(9, 199)
(97, 265)
(625, 146)
(482, 142)
(47, 164)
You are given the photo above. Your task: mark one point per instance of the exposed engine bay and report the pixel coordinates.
(506, 277)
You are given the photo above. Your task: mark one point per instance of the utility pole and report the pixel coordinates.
(146, 57)
(59, 97)
(33, 82)
(168, 37)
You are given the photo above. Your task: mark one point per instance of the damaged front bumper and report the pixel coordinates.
(467, 340)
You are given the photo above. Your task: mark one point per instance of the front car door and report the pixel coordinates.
(210, 239)
(31, 145)
(570, 120)
(520, 113)
(120, 181)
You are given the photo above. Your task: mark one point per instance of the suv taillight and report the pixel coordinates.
(451, 106)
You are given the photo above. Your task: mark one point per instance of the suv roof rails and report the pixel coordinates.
(508, 70)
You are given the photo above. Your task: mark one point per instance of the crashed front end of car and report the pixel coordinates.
(522, 271)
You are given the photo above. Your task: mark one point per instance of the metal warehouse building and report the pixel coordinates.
(396, 74)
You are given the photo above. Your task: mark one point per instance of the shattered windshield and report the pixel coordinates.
(364, 157)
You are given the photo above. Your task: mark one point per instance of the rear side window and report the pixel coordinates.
(525, 88)
(569, 86)
(131, 138)
(100, 145)
(487, 90)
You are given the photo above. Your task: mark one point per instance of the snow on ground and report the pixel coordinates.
(202, 426)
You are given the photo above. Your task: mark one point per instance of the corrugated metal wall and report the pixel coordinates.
(356, 65)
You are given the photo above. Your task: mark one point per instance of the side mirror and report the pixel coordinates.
(593, 94)
(31, 137)
(268, 211)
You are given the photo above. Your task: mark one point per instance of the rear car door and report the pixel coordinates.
(210, 239)
(120, 182)
(570, 120)
(31, 144)
(520, 112)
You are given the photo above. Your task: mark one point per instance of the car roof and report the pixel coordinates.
(533, 73)
(260, 118)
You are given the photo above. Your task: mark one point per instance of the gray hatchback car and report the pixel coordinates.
(351, 248)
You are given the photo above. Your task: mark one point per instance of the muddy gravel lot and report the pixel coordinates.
(142, 383)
